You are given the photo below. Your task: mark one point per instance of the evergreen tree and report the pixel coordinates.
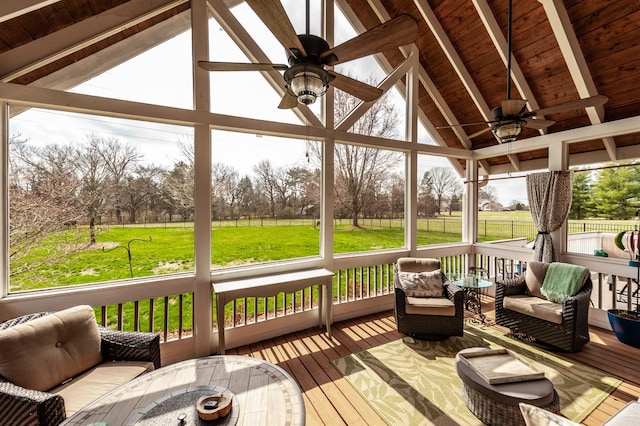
(616, 192)
(581, 204)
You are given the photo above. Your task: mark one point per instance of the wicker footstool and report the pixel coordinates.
(498, 404)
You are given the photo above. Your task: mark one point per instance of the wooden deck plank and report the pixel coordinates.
(329, 399)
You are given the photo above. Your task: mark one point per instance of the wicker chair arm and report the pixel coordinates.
(130, 346)
(22, 319)
(20, 406)
(570, 306)
(453, 292)
(511, 286)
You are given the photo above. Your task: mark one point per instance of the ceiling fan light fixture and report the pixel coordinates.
(507, 132)
(307, 83)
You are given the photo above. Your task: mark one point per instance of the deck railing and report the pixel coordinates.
(167, 308)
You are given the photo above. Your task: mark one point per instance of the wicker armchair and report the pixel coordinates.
(573, 331)
(20, 406)
(428, 322)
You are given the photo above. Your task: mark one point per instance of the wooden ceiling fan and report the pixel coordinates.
(306, 76)
(511, 116)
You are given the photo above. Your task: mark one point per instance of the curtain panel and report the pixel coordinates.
(549, 196)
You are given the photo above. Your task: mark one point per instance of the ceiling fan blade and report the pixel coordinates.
(463, 125)
(240, 66)
(537, 124)
(356, 88)
(473, 135)
(275, 18)
(513, 107)
(570, 106)
(288, 101)
(396, 32)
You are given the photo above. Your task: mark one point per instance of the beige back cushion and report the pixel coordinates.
(44, 352)
(534, 277)
(414, 264)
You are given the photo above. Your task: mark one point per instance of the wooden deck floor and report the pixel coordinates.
(330, 400)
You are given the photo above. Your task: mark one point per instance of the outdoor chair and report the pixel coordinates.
(53, 364)
(427, 305)
(558, 318)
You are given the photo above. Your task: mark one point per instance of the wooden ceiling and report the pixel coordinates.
(562, 51)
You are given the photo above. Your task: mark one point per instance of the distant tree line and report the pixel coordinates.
(104, 181)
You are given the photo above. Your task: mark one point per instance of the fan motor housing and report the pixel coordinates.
(313, 45)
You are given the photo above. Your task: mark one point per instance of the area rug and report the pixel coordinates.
(415, 383)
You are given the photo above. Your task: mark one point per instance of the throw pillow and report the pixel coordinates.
(536, 416)
(422, 284)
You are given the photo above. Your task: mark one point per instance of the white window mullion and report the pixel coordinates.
(202, 183)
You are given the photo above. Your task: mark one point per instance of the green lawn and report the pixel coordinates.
(171, 249)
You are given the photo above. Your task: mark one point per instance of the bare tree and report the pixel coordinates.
(178, 184)
(138, 189)
(444, 183)
(426, 202)
(224, 181)
(266, 185)
(43, 186)
(362, 171)
(120, 159)
(178, 191)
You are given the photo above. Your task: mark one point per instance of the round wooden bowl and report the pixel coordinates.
(212, 407)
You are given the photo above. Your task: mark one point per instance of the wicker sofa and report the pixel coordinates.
(428, 318)
(521, 308)
(53, 364)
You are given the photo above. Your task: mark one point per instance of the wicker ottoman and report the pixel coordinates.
(498, 404)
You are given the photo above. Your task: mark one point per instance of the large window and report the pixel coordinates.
(503, 210)
(369, 199)
(439, 201)
(93, 199)
(161, 75)
(604, 210)
(265, 199)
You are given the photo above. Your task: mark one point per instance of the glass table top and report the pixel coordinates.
(470, 281)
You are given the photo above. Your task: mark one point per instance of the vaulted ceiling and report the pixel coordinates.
(563, 50)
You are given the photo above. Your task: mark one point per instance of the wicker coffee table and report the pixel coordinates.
(498, 404)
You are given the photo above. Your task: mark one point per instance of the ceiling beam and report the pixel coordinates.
(10, 9)
(576, 62)
(624, 126)
(45, 50)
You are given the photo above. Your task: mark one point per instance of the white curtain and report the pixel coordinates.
(549, 200)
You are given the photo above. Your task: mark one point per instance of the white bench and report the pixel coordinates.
(271, 285)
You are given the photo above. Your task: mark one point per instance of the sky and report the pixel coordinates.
(244, 94)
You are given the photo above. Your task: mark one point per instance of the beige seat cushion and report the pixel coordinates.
(94, 383)
(44, 352)
(534, 277)
(535, 307)
(430, 306)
